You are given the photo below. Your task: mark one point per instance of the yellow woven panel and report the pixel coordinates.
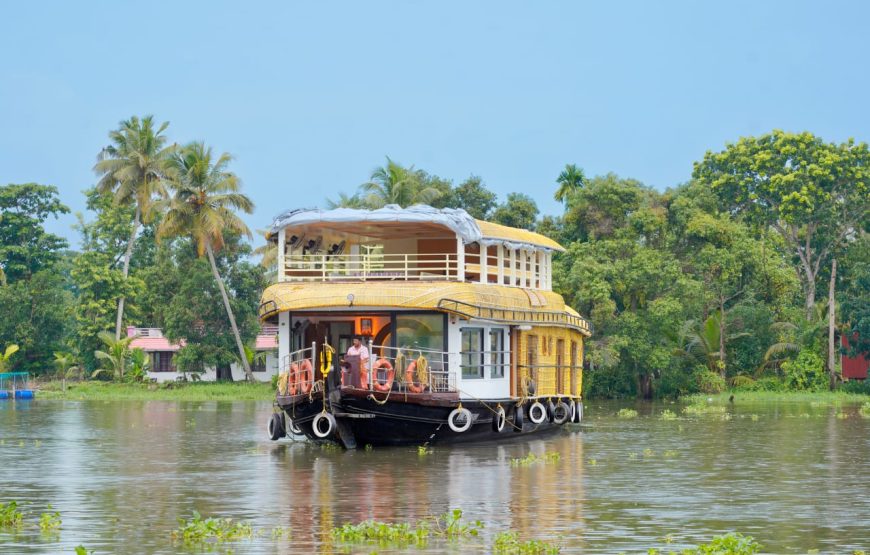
(505, 233)
(542, 342)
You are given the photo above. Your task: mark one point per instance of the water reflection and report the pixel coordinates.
(122, 474)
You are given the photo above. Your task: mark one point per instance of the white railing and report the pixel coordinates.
(366, 267)
(436, 377)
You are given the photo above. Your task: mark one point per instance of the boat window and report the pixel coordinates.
(420, 331)
(472, 353)
(496, 355)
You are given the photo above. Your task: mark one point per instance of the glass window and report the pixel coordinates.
(496, 354)
(472, 353)
(420, 331)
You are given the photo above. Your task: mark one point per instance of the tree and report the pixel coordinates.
(5, 356)
(519, 210)
(115, 355)
(25, 247)
(133, 166)
(203, 208)
(472, 196)
(571, 179)
(814, 194)
(855, 309)
(396, 184)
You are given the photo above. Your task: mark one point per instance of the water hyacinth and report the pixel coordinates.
(508, 543)
(198, 530)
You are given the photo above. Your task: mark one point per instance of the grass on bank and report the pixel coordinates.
(172, 391)
(777, 397)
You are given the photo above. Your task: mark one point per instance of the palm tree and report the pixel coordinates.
(5, 356)
(346, 201)
(706, 343)
(115, 356)
(2, 273)
(203, 207)
(268, 254)
(396, 184)
(133, 168)
(571, 179)
(66, 366)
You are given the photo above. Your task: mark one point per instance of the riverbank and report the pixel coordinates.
(825, 397)
(201, 391)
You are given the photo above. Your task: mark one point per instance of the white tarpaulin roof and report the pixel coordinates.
(454, 219)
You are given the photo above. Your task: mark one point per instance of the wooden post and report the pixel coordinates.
(460, 259)
(513, 272)
(282, 271)
(500, 261)
(484, 256)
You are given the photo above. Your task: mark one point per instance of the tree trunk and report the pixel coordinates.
(832, 365)
(722, 337)
(644, 386)
(224, 373)
(127, 256)
(249, 376)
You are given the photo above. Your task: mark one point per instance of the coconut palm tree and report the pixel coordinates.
(206, 196)
(66, 366)
(115, 356)
(396, 184)
(346, 201)
(133, 168)
(6, 355)
(705, 343)
(571, 179)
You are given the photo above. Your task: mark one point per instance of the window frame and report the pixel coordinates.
(497, 354)
(480, 366)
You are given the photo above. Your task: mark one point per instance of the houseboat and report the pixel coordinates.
(403, 326)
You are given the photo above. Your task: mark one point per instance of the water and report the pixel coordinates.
(794, 476)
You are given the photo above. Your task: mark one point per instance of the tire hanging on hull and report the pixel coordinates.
(276, 426)
(318, 423)
(499, 420)
(454, 419)
(537, 413)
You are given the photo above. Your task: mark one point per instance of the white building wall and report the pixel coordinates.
(210, 375)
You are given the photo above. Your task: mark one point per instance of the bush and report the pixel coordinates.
(806, 372)
(856, 386)
(769, 383)
(709, 382)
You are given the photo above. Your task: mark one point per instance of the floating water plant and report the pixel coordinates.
(49, 522)
(198, 530)
(668, 415)
(423, 450)
(10, 515)
(865, 410)
(703, 408)
(728, 544)
(530, 459)
(627, 413)
(509, 543)
(448, 525)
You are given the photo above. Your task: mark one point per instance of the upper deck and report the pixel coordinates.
(413, 244)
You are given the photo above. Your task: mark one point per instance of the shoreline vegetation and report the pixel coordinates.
(171, 391)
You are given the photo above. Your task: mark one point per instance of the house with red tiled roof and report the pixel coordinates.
(161, 351)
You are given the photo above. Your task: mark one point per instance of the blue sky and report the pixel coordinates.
(310, 97)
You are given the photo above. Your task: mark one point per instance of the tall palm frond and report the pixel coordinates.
(570, 179)
(203, 207)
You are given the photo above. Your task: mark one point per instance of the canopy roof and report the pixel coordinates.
(484, 301)
(419, 221)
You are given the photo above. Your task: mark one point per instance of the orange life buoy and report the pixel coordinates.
(391, 374)
(409, 378)
(293, 379)
(306, 379)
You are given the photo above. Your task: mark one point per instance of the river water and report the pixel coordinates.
(121, 474)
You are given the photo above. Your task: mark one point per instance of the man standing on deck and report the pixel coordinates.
(360, 350)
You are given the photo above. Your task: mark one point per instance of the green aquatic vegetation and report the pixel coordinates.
(649, 452)
(627, 413)
(449, 525)
(49, 522)
(593, 462)
(728, 544)
(170, 391)
(754, 417)
(509, 543)
(864, 411)
(423, 450)
(726, 416)
(10, 516)
(530, 459)
(198, 531)
(842, 415)
(670, 453)
(278, 533)
(81, 550)
(699, 409)
(668, 415)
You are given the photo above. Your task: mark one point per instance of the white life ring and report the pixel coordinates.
(454, 415)
(499, 419)
(537, 413)
(316, 424)
(561, 412)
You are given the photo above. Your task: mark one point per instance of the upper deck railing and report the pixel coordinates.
(369, 267)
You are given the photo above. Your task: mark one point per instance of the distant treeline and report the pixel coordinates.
(745, 276)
